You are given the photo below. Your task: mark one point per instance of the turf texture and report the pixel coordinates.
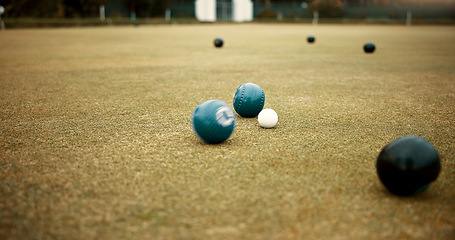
(96, 140)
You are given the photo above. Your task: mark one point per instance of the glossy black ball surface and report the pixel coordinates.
(408, 165)
(311, 39)
(369, 47)
(218, 42)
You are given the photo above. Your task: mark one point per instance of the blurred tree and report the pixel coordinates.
(327, 8)
(267, 13)
(30, 8)
(52, 8)
(79, 8)
(82, 8)
(148, 8)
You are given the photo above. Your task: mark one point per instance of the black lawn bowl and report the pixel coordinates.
(407, 165)
(369, 47)
(311, 39)
(218, 42)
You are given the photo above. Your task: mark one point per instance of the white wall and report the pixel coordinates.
(206, 10)
(242, 10)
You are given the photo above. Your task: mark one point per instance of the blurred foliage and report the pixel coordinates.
(79, 8)
(267, 13)
(148, 8)
(327, 8)
(60, 9)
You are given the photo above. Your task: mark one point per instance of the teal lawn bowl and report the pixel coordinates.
(249, 100)
(213, 121)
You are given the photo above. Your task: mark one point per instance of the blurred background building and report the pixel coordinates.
(229, 10)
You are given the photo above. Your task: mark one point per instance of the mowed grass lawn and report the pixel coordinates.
(96, 139)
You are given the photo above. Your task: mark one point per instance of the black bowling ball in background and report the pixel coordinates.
(369, 47)
(408, 165)
(311, 39)
(218, 42)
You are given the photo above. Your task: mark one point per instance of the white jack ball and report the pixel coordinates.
(267, 118)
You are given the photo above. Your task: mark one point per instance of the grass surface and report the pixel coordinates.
(96, 141)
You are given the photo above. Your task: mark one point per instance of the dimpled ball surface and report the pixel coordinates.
(408, 165)
(213, 121)
(249, 100)
(267, 118)
(218, 42)
(369, 47)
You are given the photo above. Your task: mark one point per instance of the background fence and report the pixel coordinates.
(297, 10)
(279, 9)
